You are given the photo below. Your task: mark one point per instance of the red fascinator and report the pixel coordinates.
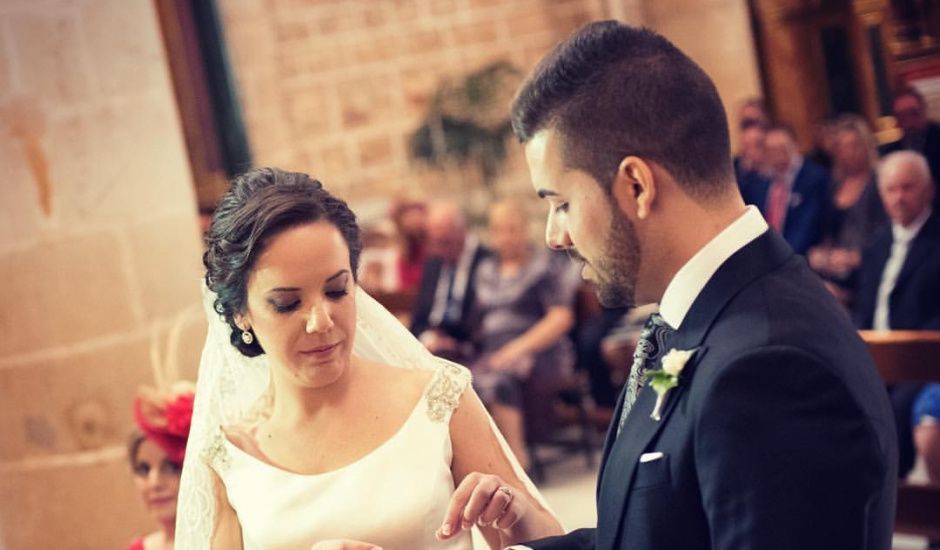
(165, 418)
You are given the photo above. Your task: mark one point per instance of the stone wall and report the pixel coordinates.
(335, 88)
(99, 260)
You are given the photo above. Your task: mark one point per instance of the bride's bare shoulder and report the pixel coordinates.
(398, 377)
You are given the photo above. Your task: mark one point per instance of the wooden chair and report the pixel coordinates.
(910, 356)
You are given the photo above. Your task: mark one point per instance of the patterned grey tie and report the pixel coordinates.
(650, 346)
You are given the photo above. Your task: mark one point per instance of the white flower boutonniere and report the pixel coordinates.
(664, 379)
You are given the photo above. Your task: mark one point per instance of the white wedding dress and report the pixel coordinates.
(396, 496)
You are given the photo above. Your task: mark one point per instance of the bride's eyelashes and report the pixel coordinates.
(282, 307)
(337, 295)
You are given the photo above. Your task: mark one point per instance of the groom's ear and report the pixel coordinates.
(634, 188)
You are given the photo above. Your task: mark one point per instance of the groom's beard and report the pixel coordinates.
(617, 269)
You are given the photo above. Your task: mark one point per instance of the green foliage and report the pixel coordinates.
(468, 121)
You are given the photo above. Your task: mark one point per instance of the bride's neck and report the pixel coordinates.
(294, 404)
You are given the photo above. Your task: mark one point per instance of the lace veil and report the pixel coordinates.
(231, 386)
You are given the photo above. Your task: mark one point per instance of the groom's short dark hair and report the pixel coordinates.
(612, 91)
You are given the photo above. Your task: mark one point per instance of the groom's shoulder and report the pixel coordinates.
(788, 313)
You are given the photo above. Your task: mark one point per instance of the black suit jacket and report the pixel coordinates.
(779, 435)
(914, 304)
(461, 331)
(931, 151)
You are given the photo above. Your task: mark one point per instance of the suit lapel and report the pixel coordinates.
(610, 439)
(624, 454)
(920, 250)
(761, 256)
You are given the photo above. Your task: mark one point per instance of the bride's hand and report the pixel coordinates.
(483, 499)
(344, 545)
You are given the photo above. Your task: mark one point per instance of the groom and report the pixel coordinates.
(754, 418)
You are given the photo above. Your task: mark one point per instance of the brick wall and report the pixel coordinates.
(99, 257)
(335, 88)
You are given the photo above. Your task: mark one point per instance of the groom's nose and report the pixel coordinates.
(556, 234)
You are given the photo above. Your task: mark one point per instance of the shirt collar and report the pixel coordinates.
(794, 169)
(903, 234)
(692, 277)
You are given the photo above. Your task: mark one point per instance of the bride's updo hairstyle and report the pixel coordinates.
(260, 204)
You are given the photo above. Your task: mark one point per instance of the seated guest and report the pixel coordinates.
(156, 457)
(379, 262)
(854, 213)
(409, 218)
(919, 133)
(794, 197)
(824, 142)
(591, 334)
(750, 162)
(899, 279)
(926, 421)
(753, 111)
(614, 352)
(525, 297)
(752, 136)
(442, 317)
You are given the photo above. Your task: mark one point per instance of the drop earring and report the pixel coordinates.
(247, 337)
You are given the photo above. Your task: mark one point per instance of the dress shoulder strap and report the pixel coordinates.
(215, 454)
(449, 382)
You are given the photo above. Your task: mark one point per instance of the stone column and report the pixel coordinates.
(99, 263)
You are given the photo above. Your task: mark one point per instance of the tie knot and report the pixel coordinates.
(656, 322)
(652, 339)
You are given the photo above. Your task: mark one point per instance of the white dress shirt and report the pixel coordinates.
(689, 281)
(788, 178)
(900, 244)
(461, 281)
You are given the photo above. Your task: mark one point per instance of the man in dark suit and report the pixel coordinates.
(443, 313)
(754, 417)
(899, 278)
(793, 199)
(919, 133)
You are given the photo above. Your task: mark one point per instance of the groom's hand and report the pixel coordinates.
(483, 499)
(344, 545)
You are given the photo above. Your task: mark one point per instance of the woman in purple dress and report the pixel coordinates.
(524, 300)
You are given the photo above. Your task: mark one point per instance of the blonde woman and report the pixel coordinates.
(855, 212)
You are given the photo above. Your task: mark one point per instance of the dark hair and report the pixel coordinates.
(748, 123)
(612, 91)
(260, 204)
(133, 446)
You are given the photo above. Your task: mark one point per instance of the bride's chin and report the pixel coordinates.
(320, 374)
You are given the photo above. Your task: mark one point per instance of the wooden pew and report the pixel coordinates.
(910, 356)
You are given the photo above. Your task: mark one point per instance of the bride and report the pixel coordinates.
(318, 416)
